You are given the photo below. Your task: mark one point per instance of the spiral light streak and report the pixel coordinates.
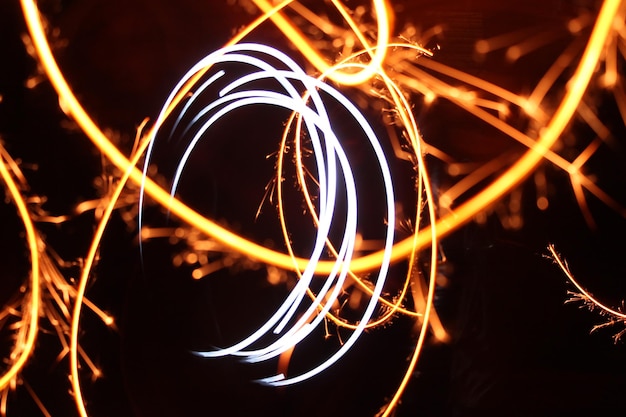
(327, 150)
(412, 132)
(307, 102)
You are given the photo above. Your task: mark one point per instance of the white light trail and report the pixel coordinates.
(306, 97)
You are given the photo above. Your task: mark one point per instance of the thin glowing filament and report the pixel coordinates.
(402, 106)
(409, 122)
(100, 140)
(557, 258)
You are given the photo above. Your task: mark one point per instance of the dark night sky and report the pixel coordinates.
(517, 350)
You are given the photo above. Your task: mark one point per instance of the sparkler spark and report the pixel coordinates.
(615, 316)
(371, 60)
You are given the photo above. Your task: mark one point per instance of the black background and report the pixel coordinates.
(516, 349)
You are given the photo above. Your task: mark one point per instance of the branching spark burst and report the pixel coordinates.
(367, 60)
(581, 295)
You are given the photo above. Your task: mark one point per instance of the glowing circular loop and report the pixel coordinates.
(329, 156)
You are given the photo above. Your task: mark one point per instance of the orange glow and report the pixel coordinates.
(462, 215)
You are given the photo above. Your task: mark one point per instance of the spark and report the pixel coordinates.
(464, 213)
(48, 296)
(615, 316)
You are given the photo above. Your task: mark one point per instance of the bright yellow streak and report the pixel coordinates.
(311, 53)
(408, 121)
(84, 278)
(82, 118)
(32, 314)
(75, 110)
(447, 224)
(400, 103)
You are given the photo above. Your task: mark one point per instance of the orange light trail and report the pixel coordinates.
(446, 225)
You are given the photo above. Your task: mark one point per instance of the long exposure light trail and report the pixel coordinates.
(464, 213)
(24, 348)
(411, 132)
(366, 62)
(327, 150)
(84, 279)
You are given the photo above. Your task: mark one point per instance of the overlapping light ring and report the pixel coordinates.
(329, 157)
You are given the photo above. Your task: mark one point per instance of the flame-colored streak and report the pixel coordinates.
(424, 193)
(311, 53)
(82, 118)
(49, 300)
(74, 348)
(549, 78)
(563, 265)
(514, 175)
(445, 225)
(24, 348)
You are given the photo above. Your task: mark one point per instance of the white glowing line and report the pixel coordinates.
(298, 105)
(192, 99)
(293, 301)
(314, 115)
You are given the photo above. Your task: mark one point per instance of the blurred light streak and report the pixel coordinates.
(54, 294)
(447, 224)
(416, 154)
(311, 53)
